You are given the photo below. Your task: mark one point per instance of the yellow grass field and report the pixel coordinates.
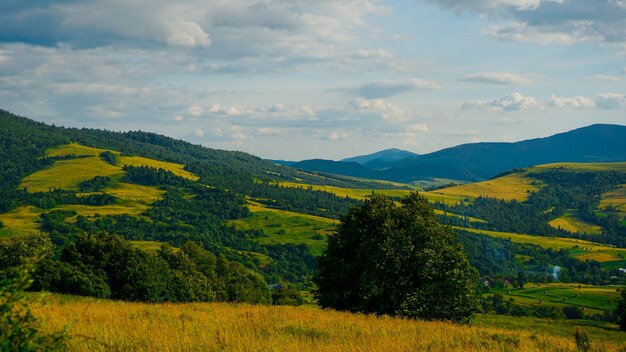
(509, 187)
(102, 325)
(68, 174)
(74, 149)
(21, 220)
(350, 192)
(135, 193)
(588, 249)
(572, 223)
(617, 166)
(176, 169)
(615, 198)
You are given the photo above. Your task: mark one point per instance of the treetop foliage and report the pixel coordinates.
(397, 260)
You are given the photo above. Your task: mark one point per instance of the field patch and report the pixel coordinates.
(21, 220)
(73, 149)
(287, 227)
(592, 299)
(354, 193)
(604, 253)
(571, 222)
(176, 169)
(135, 193)
(510, 187)
(617, 166)
(615, 199)
(68, 174)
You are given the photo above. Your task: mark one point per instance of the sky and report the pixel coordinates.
(301, 79)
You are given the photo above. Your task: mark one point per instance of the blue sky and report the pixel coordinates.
(317, 79)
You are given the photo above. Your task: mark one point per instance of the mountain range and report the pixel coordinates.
(480, 161)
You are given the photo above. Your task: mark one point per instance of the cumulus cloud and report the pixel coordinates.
(611, 100)
(380, 107)
(512, 102)
(577, 102)
(499, 78)
(389, 88)
(549, 21)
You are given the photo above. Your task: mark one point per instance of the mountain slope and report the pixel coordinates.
(479, 161)
(337, 167)
(387, 155)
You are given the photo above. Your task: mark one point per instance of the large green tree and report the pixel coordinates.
(397, 260)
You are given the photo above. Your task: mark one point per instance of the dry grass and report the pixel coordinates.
(100, 325)
(135, 193)
(509, 187)
(572, 223)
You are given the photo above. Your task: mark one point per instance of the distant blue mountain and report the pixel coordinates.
(480, 161)
(384, 156)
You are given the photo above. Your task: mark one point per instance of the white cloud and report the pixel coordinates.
(549, 21)
(576, 102)
(195, 110)
(611, 100)
(389, 88)
(606, 78)
(198, 133)
(380, 107)
(499, 78)
(512, 102)
(178, 118)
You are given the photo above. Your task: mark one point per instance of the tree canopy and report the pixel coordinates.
(397, 260)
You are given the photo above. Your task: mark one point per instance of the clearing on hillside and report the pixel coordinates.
(579, 249)
(287, 227)
(510, 187)
(570, 221)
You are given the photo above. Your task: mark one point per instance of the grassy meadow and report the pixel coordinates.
(580, 249)
(572, 223)
(509, 187)
(103, 325)
(287, 227)
(83, 164)
(592, 299)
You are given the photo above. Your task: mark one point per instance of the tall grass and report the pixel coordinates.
(101, 325)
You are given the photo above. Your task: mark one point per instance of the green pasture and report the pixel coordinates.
(287, 227)
(591, 299)
(580, 249)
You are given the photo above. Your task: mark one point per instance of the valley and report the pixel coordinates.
(269, 224)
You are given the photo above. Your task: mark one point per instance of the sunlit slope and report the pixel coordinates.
(579, 249)
(510, 187)
(84, 163)
(285, 227)
(570, 221)
(74, 164)
(102, 325)
(592, 299)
